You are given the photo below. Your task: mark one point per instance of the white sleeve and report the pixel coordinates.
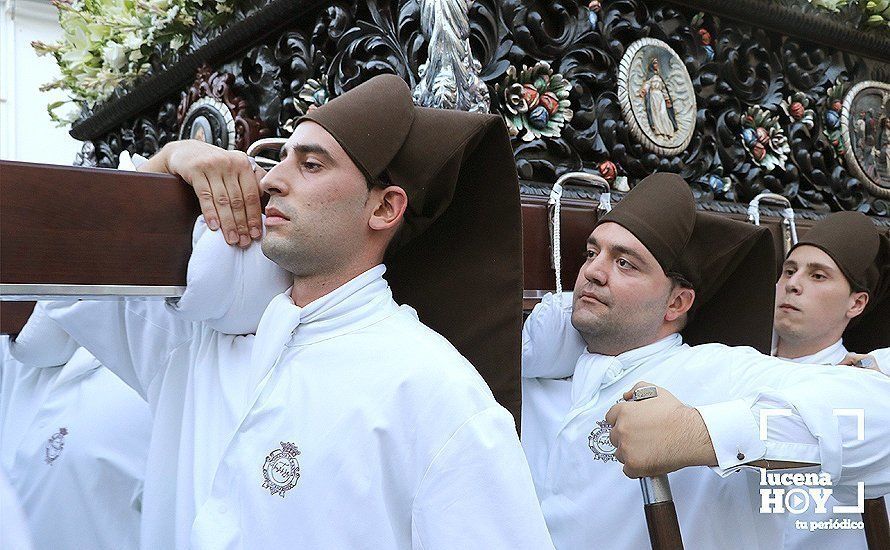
(42, 342)
(228, 288)
(133, 338)
(478, 491)
(130, 163)
(550, 344)
(882, 356)
(781, 411)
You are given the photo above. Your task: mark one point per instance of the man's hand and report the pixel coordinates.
(861, 360)
(226, 183)
(658, 435)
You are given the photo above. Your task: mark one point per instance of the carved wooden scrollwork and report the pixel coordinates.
(754, 89)
(213, 95)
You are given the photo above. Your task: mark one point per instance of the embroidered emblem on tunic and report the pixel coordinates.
(281, 469)
(599, 443)
(54, 446)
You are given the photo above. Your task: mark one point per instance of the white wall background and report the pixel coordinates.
(26, 132)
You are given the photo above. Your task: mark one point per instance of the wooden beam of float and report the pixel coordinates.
(90, 232)
(129, 233)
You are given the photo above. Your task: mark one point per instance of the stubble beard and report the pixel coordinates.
(784, 331)
(302, 255)
(617, 330)
(787, 325)
(286, 253)
(795, 333)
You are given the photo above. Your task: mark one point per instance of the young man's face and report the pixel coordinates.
(814, 300)
(321, 199)
(621, 293)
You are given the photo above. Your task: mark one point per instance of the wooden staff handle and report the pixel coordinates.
(658, 503)
(661, 516)
(877, 527)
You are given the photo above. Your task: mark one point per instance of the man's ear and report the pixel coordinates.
(858, 301)
(389, 207)
(679, 302)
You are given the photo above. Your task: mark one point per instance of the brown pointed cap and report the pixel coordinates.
(862, 252)
(730, 264)
(370, 125)
(458, 260)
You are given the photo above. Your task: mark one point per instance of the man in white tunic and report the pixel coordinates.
(833, 290)
(73, 441)
(344, 422)
(660, 276)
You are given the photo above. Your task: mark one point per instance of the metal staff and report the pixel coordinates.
(789, 229)
(658, 504)
(267, 144)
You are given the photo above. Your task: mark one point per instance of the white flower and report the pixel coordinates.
(132, 42)
(76, 60)
(160, 5)
(830, 5)
(98, 32)
(114, 55)
(103, 40)
(76, 35)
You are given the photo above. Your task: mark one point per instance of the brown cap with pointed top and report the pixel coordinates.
(730, 264)
(862, 252)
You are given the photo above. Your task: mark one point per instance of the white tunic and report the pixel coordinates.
(814, 538)
(14, 531)
(882, 356)
(587, 500)
(832, 355)
(73, 441)
(401, 444)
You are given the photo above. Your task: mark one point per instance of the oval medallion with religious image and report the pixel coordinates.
(210, 121)
(281, 470)
(599, 443)
(657, 96)
(865, 130)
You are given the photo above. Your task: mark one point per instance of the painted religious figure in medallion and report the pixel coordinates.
(657, 97)
(659, 105)
(865, 127)
(211, 121)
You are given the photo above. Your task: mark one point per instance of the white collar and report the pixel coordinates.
(832, 355)
(594, 371)
(362, 301)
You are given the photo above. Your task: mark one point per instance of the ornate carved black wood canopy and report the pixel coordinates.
(768, 85)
